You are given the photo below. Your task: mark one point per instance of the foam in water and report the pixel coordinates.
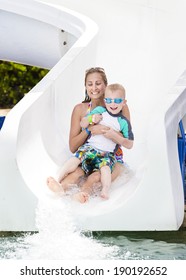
(58, 237)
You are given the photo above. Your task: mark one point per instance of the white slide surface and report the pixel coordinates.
(140, 44)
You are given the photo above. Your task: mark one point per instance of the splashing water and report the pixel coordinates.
(58, 237)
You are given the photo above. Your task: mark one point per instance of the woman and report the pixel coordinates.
(95, 84)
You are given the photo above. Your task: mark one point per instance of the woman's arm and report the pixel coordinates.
(118, 138)
(126, 112)
(77, 137)
(84, 123)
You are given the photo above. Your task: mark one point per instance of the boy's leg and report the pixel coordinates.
(105, 181)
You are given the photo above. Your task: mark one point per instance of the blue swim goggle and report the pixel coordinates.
(115, 100)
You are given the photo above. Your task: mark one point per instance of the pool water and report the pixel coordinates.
(59, 238)
(97, 245)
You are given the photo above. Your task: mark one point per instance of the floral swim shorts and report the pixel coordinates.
(93, 159)
(118, 153)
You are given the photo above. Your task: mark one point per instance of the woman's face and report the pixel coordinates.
(95, 86)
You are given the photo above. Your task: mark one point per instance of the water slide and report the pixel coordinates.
(142, 45)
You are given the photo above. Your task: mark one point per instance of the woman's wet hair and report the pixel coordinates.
(92, 70)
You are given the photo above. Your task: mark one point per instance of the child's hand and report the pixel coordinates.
(97, 118)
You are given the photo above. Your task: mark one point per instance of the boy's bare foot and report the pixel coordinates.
(105, 193)
(55, 186)
(81, 197)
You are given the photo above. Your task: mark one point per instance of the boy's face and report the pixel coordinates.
(114, 107)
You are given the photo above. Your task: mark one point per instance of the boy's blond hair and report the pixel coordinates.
(114, 87)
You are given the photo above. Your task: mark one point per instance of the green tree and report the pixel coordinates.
(16, 80)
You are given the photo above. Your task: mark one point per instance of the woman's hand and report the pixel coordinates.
(117, 138)
(112, 134)
(98, 129)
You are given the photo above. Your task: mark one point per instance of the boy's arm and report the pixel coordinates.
(90, 119)
(93, 117)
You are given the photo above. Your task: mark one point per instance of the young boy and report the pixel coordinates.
(98, 151)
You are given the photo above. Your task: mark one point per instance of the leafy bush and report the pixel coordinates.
(16, 80)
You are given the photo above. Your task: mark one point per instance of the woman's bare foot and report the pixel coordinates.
(55, 186)
(81, 197)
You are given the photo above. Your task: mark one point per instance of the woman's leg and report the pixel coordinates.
(72, 178)
(63, 185)
(87, 187)
(55, 186)
(69, 167)
(91, 181)
(118, 167)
